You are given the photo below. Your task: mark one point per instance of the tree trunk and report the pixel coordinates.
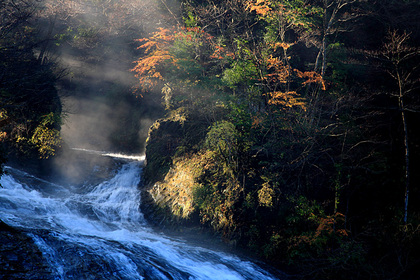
(406, 149)
(41, 57)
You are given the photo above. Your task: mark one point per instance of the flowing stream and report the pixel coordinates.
(98, 232)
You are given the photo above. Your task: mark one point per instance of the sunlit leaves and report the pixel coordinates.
(261, 7)
(149, 68)
(286, 99)
(223, 140)
(266, 195)
(175, 53)
(277, 72)
(311, 77)
(293, 13)
(45, 137)
(278, 78)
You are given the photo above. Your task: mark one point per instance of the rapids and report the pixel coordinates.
(98, 232)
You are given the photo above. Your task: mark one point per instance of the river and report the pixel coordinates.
(96, 231)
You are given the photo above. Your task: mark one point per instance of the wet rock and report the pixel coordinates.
(20, 258)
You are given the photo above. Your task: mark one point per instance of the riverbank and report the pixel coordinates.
(195, 234)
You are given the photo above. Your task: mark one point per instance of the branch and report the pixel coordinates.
(169, 10)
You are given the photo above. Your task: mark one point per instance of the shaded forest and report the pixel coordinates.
(287, 127)
(291, 130)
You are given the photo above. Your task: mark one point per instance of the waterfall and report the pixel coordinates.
(98, 232)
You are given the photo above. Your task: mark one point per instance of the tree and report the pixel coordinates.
(149, 69)
(334, 18)
(27, 87)
(402, 66)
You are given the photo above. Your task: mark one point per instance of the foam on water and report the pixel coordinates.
(104, 227)
(113, 155)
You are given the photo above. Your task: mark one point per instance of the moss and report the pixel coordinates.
(163, 138)
(174, 196)
(172, 137)
(170, 173)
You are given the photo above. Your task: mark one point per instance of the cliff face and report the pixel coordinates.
(172, 198)
(171, 175)
(163, 139)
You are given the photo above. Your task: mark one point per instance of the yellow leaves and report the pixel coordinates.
(261, 7)
(4, 119)
(266, 195)
(45, 138)
(3, 114)
(282, 45)
(287, 99)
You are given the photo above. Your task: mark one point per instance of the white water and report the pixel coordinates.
(97, 232)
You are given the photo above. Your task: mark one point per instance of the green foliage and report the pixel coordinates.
(305, 212)
(299, 164)
(243, 72)
(190, 20)
(240, 116)
(64, 37)
(206, 198)
(222, 138)
(28, 97)
(45, 137)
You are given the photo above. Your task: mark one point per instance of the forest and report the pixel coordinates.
(286, 127)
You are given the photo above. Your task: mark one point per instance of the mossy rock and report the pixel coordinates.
(171, 137)
(163, 139)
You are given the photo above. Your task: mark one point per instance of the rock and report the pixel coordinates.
(20, 258)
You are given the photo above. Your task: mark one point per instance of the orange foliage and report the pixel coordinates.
(278, 72)
(220, 53)
(150, 69)
(257, 121)
(261, 7)
(327, 225)
(287, 99)
(311, 77)
(156, 48)
(282, 45)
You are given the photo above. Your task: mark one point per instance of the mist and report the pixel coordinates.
(92, 45)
